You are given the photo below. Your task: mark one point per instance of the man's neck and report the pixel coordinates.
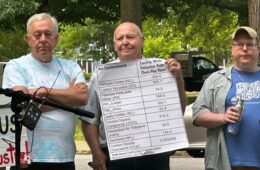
(42, 58)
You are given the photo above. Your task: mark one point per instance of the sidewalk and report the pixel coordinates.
(82, 147)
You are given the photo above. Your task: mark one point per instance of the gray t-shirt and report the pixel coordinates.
(94, 107)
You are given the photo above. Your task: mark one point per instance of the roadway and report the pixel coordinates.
(176, 163)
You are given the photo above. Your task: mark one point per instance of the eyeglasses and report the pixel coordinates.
(38, 35)
(248, 46)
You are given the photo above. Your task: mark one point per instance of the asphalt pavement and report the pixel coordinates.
(179, 161)
(176, 163)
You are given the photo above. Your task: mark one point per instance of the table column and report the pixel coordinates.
(123, 111)
(161, 103)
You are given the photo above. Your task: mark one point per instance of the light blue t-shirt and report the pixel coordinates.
(244, 148)
(53, 139)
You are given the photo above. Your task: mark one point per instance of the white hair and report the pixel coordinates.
(40, 17)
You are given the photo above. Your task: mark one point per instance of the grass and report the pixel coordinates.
(78, 133)
(191, 96)
(80, 137)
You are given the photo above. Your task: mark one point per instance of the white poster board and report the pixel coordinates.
(7, 136)
(141, 108)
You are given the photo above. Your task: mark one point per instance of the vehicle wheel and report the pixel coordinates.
(196, 153)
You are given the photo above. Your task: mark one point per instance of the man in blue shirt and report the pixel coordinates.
(214, 107)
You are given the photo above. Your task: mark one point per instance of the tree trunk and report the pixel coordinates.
(254, 14)
(131, 11)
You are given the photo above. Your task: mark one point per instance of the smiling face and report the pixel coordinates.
(42, 39)
(128, 42)
(245, 52)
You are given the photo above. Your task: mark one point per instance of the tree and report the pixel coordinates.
(15, 13)
(131, 10)
(209, 30)
(254, 13)
(190, 23)
(72, 11)
(162, 37)
(92, 41)
(12, 45)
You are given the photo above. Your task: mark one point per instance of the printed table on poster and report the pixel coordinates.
(141, 108)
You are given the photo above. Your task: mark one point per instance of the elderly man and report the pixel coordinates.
(44, 75)
(128, 44)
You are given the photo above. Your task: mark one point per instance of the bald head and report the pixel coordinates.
(129, 25)
(128, 41)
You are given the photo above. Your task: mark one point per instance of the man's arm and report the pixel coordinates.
(182, 93)
(74, 95)
(21, 88)
(175, 68)
(210, 120)
(213, 120)
(91, 135)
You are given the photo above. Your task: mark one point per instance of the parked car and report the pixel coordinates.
(202, 68)
(196, 135)
(195, 68)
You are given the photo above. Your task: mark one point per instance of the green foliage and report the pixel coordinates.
(87, 76)
(92, 40)
(161, 37)
(78, 132)
(12, 44)
(15, 13)
(167, 25)
(75, 11)
(191, 97)
(73, 38)
(72, 11)
(187, 9)
(209, 30)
